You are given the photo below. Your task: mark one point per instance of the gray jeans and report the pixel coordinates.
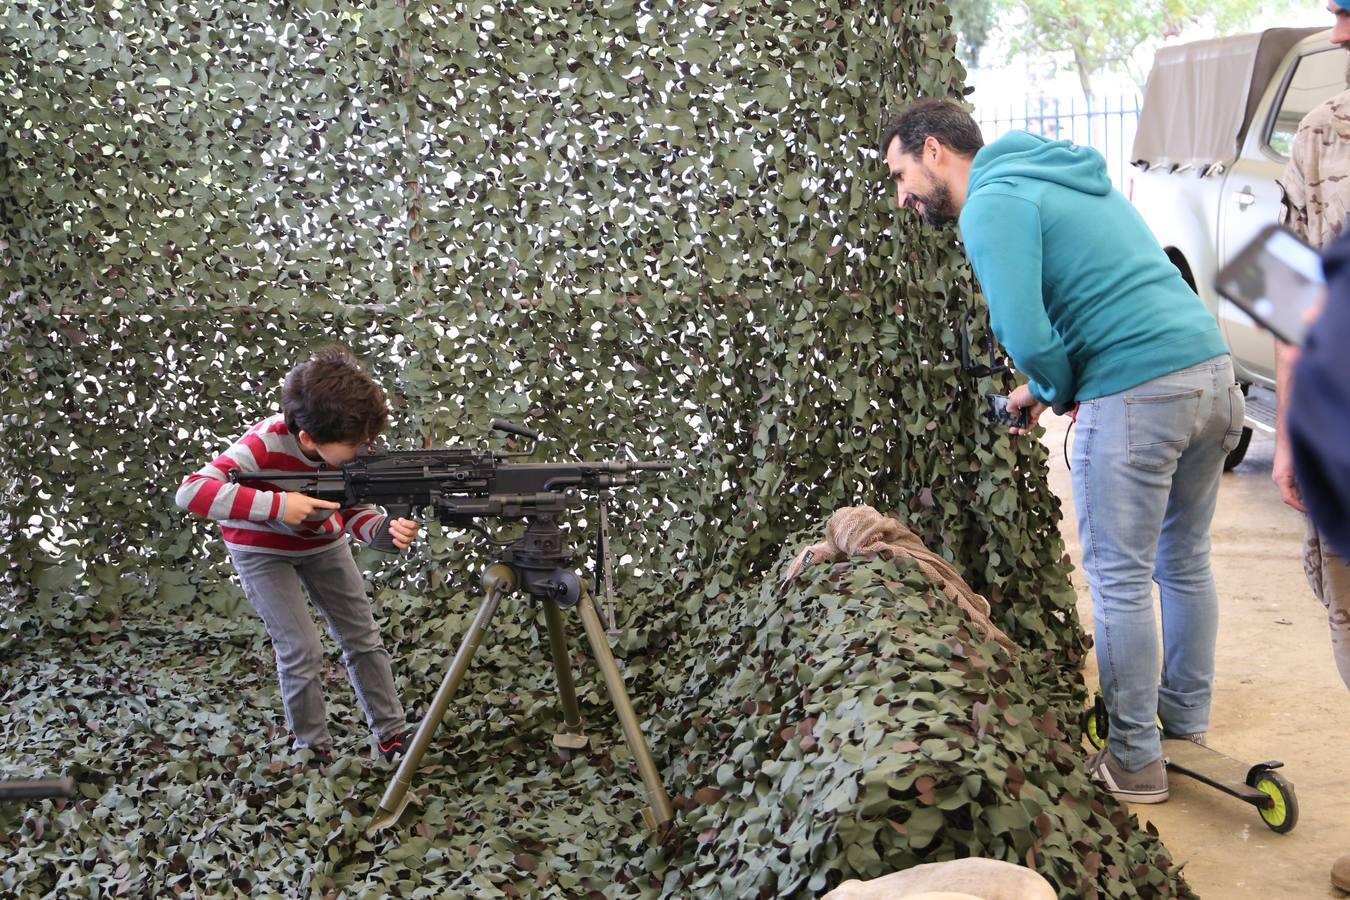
(272, 584)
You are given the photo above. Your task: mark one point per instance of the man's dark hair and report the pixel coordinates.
(333, 399)
(942, 119)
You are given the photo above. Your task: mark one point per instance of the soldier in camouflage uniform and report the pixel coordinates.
(1316, 185)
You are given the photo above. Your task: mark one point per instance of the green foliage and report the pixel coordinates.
(973, 21)
(1097, 35)
(632, 225)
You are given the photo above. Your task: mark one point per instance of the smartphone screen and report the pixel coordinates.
(1275, 279)
(998, 411)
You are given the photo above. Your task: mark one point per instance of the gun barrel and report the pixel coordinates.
(653, 466)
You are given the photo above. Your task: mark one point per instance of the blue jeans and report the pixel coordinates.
(1146, 468)
(273, 585)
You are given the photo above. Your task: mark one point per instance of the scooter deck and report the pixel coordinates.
(1211, 767)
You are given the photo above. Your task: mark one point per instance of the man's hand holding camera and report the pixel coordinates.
(1021, 399)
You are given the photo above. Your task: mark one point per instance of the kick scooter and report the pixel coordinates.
(1257, 784)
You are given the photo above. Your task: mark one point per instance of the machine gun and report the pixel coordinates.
(462, 486)
(459, 485)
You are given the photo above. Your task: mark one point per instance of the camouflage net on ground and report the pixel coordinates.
(640, 226)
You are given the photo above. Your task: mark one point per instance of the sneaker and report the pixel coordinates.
(396, 746)
(1147, 785)
(1340, 873)
(1195, 738)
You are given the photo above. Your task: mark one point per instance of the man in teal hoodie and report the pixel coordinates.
(1094, 314)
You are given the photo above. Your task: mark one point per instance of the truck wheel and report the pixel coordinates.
(1237, 453)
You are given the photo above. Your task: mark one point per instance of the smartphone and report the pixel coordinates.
(1275, 279)
(998, 411)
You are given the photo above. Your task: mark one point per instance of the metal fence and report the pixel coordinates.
(1106, 124)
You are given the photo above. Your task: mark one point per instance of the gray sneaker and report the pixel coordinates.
(1147, 785)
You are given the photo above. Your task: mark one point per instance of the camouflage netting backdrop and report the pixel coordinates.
(649, 226)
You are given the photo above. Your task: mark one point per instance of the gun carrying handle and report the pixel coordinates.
(512, 428)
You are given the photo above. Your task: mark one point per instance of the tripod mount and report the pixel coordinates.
(537, 564)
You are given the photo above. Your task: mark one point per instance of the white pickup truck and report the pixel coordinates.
(1214, 134)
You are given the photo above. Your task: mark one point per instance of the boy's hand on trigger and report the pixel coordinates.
(404, 532)
(304, 508)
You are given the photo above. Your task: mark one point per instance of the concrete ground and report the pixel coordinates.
(1277, 696)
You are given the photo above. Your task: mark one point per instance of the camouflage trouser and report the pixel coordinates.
(1329, 576)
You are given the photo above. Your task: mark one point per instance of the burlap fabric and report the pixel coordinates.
(984, 879)
(862, 531)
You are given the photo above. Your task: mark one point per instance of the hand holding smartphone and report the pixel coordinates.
(998, 413)
(1276, 279)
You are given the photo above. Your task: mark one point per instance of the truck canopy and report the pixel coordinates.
(1201, 96)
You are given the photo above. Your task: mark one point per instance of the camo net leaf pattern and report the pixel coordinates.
(637, 226)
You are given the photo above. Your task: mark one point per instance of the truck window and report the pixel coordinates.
(1317, 76)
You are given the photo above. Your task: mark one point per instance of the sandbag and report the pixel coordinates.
(982, 879)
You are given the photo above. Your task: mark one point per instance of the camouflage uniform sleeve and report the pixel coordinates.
(1294, 182)
(1316, 181)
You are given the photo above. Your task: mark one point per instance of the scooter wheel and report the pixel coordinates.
(1095, 723)
(1094, 726)
(1282, 815)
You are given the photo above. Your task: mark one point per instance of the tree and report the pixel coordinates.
(1102, 34)
(973, 21)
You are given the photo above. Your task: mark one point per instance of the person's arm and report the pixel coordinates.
(1282, 469)
(1294, 216)
(1003, 239)
(1293, 184)
(208, 492)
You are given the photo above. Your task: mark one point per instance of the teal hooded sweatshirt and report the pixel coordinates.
(1081, 295)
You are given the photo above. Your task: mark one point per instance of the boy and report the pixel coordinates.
(281, 540)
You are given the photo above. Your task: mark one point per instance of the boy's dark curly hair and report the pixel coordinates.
(333, 399)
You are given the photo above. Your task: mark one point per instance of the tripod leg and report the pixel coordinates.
(571, 737)
(37, 788)
(396, 795)
(659, 814)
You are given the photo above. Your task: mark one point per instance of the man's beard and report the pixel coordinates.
(938, 208)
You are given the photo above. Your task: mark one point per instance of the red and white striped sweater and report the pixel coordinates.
(251, 518)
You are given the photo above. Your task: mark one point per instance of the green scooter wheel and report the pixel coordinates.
(1282, 814)
(1096, 724)
(1096, 733)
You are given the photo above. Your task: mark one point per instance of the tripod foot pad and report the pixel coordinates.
(568, 740)
(659, 826)
(385, 819)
